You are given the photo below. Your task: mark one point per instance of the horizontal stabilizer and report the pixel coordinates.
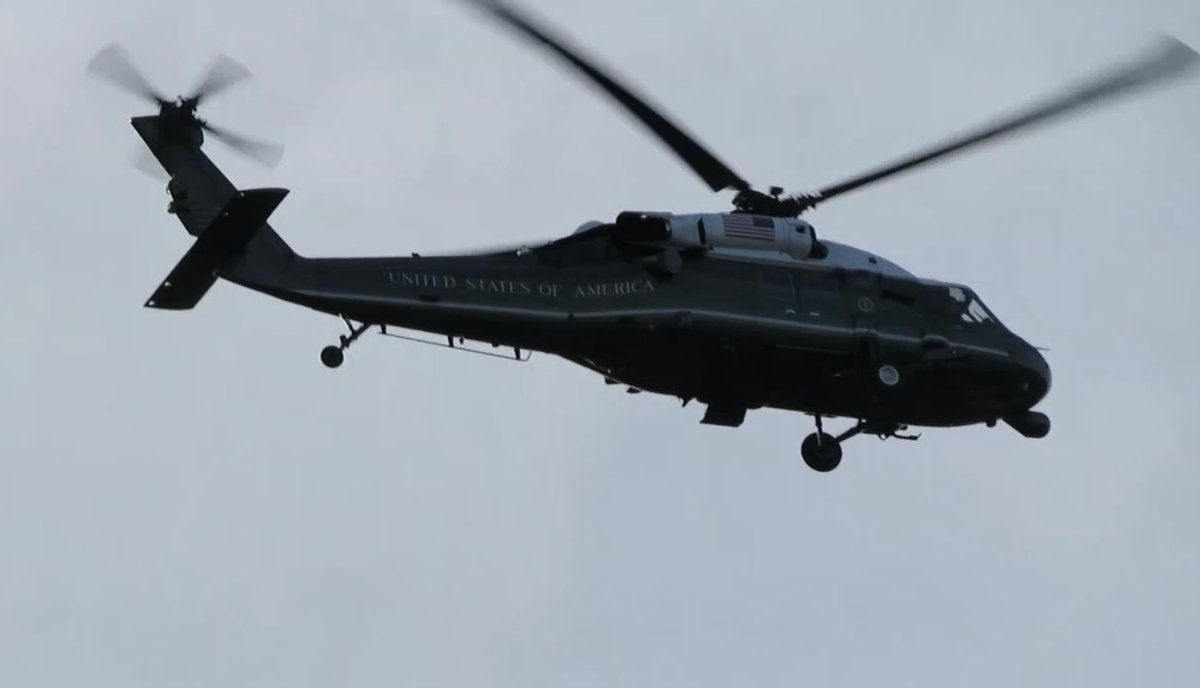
(230, 231)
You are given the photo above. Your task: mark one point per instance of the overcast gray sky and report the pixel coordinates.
(192, 500)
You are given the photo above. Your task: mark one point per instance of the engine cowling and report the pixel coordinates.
(790, 236)
(643, 227)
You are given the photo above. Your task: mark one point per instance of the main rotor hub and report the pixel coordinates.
(180, 107)
(758, 203)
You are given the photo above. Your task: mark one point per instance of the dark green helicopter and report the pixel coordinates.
(738, 310)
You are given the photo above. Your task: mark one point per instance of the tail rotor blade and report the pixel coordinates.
(264, 152)
(112, 64)
(223, 73)
(146, 163)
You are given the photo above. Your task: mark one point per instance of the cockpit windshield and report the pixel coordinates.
(969, 308)
(963, 306)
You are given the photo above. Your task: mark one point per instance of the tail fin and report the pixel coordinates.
(226, 222)
(230, 232)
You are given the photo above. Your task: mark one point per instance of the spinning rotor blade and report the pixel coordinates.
(267, 153)
(112, 64)
(146, 163)
(715, 173)
(1171, 58)
(223, 73)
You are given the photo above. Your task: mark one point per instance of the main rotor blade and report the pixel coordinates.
(715, 173)
(267, 153)
(223, 73)
(1171, 58)
(112, 64)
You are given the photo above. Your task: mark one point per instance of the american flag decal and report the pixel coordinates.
(749, 227)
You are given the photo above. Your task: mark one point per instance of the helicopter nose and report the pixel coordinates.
(1034, 373)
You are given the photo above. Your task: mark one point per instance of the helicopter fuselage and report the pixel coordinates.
(847, 335)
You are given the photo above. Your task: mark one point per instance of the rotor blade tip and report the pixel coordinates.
(235, 69)
(1175, 54)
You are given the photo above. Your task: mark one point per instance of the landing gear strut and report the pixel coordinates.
(334, 356)
(823, 452)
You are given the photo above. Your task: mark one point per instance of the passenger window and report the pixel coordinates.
(777, 283)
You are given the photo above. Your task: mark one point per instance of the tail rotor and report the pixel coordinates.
(222, 74)
(113, 65)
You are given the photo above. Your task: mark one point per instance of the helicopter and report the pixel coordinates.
(738, 310)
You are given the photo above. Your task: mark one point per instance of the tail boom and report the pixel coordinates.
(230, 226)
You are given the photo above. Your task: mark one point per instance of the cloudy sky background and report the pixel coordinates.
(192, 500)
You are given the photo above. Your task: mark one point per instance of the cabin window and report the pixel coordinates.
(777, 283)
(820, 280)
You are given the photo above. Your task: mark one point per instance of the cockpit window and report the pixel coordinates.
(958, 305)
(969, 308)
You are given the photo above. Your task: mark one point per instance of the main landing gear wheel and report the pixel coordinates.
(821, 451)
(332, 357)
